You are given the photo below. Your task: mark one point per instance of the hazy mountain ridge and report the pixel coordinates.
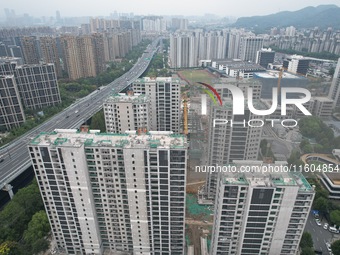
(322, 16)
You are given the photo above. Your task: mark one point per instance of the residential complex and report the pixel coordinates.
(123, 193)
(164, 94)
(259, 212)
(127, 112)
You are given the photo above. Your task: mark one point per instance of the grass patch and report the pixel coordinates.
(197, 76)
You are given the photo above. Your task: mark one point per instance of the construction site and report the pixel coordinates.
(199, 218)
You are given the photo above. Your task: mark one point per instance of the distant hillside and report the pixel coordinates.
(322, 16)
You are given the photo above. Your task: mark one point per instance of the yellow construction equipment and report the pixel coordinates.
(185, 114)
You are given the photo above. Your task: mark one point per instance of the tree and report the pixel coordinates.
(306, 240)
(307, 251)
(336, 247)
(98, 121)
(10, 248)
(321, 204)
(16, 215)
(335, 217)
(38, 227)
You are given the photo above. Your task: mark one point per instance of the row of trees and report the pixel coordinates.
(24, 224)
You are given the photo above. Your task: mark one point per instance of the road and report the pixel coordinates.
(319, 234)
(15, 154)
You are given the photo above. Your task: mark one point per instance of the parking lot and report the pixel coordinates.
(319, 234)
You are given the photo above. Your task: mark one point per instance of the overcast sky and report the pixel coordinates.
(236, 8)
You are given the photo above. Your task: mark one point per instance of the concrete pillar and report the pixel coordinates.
(8, 188)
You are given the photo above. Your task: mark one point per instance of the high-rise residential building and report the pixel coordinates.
(296, 64)
(99, 53)
(260, 212)
(235, 140)
(111, 47)
(29, 46)
(290, 31)
(249, 47)
(70, 56)
(49, 53)
(86, 53)
(11, 111)
(183, 50)
(265, 57)
(154, 23)
(178, 23)
(164, 94)
(126, 112)
(334, 91)
(37, 85)
(120, 193)
(79, 56)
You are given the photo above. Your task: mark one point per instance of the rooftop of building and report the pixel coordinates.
(258, 104)
(127, 98)
(323, 99)
(272, 74)
(258, 174)
(238, 64)
(93, 138)
(334, 178)
(267, 50)
(232, 80)
(158, 79)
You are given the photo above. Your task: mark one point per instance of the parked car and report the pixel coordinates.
(328, 245)
(318, 222)
(333, 230)
(325, 226)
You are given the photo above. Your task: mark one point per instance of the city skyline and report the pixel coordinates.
(152, 7)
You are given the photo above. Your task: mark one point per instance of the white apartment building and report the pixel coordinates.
(126, 112)
(235, 140)
(115, 193)
(165, 105)
(260, 212)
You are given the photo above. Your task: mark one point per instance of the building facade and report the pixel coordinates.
(264, 57)
(248, 48)
(37, 85)
(30, 49)
(235, 140)
(49, 53)
(11, 110)
(296, 64)
(164, 94)
(257, 212)
(126, 112)
(123, 193)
